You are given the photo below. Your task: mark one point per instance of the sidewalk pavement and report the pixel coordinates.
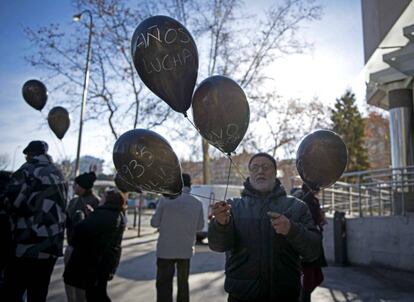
(132, 233)
(135, 278)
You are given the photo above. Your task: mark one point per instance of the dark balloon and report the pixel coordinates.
(321, 159)
(145, 159)
(125, 186)
(58, 119)
(165, 57)
(35, 94)
(221, 112)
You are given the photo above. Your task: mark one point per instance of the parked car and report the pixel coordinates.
(150, 203)
(208, 194)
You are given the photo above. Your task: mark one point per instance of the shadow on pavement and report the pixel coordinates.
(368, 284)
(129, 244)
(143, 267)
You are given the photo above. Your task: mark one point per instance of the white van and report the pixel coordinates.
(208, 194)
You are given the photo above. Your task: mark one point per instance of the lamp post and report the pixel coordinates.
(85, 83)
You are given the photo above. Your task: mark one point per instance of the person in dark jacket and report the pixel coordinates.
(37, 194)
(312, 272)
(97, 248)
(5, 230)
(78, 208)
(265, 234)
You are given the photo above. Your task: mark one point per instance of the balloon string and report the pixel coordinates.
(60, 154)
(310, 191)
(191, 122)
(228, 179)
(54, 140)
(236, 166)
(198, 130)
(202, 196)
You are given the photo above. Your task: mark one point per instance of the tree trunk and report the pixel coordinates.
(206, 162)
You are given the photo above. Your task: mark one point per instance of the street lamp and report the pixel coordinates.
(85, 83)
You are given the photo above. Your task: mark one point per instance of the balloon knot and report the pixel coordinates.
(185, 114)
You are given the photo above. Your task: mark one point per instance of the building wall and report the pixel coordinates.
(378, 18)
(382, 241)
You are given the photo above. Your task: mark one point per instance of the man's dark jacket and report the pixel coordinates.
(76, 211)
(262, 265)
(96, 245)
(37, 193)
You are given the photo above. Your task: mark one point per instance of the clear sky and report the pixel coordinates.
(334, 64)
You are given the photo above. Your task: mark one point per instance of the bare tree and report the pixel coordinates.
(4, 161)
(279, 123)
(241, 46)
(231, 42)
(115, 92)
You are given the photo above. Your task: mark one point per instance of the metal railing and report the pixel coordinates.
(380, 192)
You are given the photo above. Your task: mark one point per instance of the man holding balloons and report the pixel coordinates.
(265, 234)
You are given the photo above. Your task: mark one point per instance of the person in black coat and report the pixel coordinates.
(5, 229)
(97, 247)
(311, 270)
(264, 234)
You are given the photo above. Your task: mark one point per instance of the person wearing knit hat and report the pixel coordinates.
(97, 249)
(36, 148)
(265, 234)
(78, 208)
(86, 180)
(36, 202)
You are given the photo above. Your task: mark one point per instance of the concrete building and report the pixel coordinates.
(373, 237)
(388, 28)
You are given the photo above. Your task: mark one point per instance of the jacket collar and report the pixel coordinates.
(43, 158)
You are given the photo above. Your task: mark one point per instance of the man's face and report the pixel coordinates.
(262, 174)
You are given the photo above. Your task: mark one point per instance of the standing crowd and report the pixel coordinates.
(34, 216)
(272, 241)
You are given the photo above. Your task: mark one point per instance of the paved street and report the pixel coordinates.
(135, 279)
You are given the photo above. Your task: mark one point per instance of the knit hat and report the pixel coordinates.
(86, 180)
(263, 154)
(36, 148)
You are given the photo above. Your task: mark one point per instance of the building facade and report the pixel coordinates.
(388, 28)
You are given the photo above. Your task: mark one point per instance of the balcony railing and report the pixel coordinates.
(371, 193)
